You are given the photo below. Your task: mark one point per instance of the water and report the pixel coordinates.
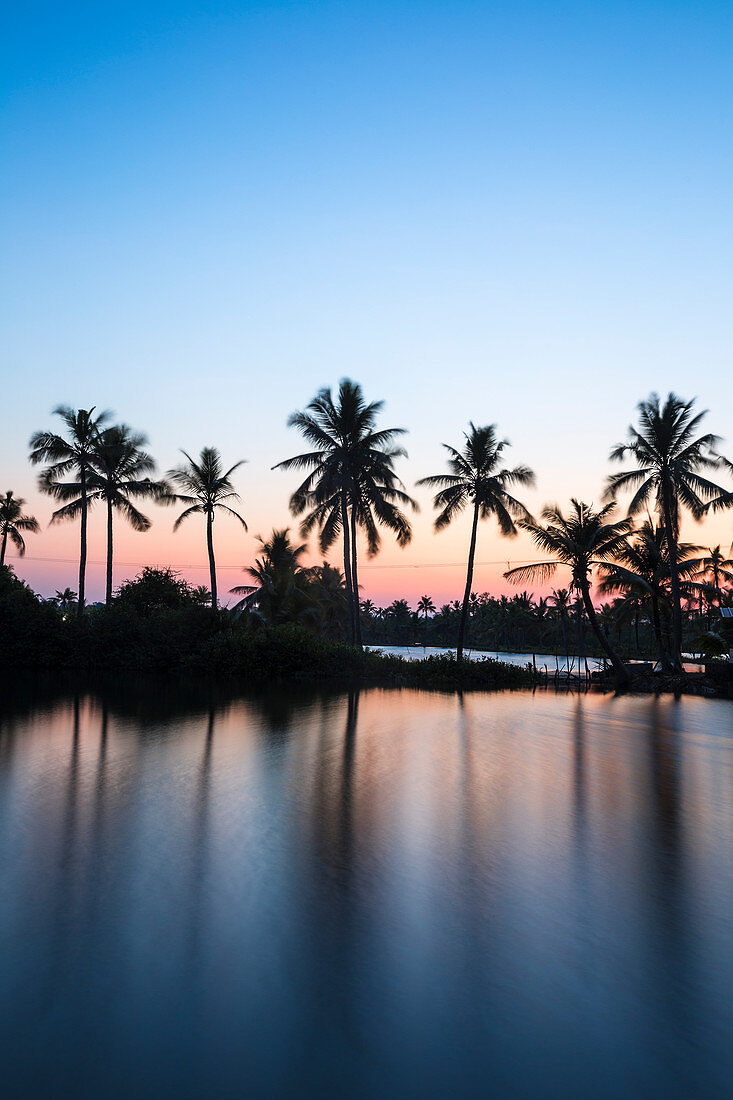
(416, 653)
(550, 661)
(395, 894)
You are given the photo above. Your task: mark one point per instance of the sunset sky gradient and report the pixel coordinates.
(507, 212)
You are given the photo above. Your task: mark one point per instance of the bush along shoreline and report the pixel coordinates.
(173, 632)
(159, 624)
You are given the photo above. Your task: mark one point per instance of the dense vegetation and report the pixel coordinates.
(159, 623)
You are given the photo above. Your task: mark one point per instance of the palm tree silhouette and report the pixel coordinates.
(582, 541)
(715, 568)
(279, 589)
(122, 470)
(476, 478)
(207, 486)
(641, 571)
(65, 600)
(12, 522)
(560, 600)
(70, 457)
(425, 606)
(669, 465)
(351, 483)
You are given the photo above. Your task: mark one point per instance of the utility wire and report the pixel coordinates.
(237, 568)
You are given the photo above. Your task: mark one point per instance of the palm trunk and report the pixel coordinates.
(347, 567)
(3, 548)
(212, 564)
(674, 577)
(109, 552)
(469, 582)
(355, 581)
(83, 551)
(622, 675)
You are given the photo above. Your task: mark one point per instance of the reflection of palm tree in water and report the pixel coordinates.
(63, 929)
(667, 930)
(200, 842)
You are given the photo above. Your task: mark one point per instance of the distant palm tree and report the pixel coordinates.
(207, 486)
(65, 600)
(12, 522)
(560, 600)
(715, 569)
(119, 470)
(582, 541)
(70, 457)
(477, 478)
(351, 483)
(276, 594)
(329, 611)
(670, 462)
(426, 607)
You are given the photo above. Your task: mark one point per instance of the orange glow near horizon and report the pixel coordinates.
(433, 564)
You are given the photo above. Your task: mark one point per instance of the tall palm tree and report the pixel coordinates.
(70, 457)
(582, 541)
(12, 522)
(122, 470)
(477, 479)
(670, 462)
(206, 488)
(351, 483)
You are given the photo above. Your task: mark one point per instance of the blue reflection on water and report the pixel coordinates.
(400, 893)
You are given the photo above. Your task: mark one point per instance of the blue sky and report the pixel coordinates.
(514, 213)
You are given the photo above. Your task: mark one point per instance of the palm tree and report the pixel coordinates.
(277, 594)
(641, 571)
(70, 457)
(670, 462)
(582, 541)
(351, 484)
(426, 607)
(560, 600)
(207, 486)
(476, 478)
(119, 470)
(716, 568)
(12, 522)
(65, 600)
(329, 611)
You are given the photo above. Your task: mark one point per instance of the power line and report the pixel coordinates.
(508, 562)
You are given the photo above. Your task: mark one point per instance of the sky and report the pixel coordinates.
(513, 213)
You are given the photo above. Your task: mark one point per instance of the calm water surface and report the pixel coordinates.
(391, 894)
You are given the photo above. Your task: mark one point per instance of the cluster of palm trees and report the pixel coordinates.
(351, 490)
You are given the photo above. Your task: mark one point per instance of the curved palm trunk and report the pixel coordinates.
(83, 551)
(469, 582)
(210, 548)
(110, 551)
(622, 675)
(347, 567)
(3, 547)
(355, 582)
